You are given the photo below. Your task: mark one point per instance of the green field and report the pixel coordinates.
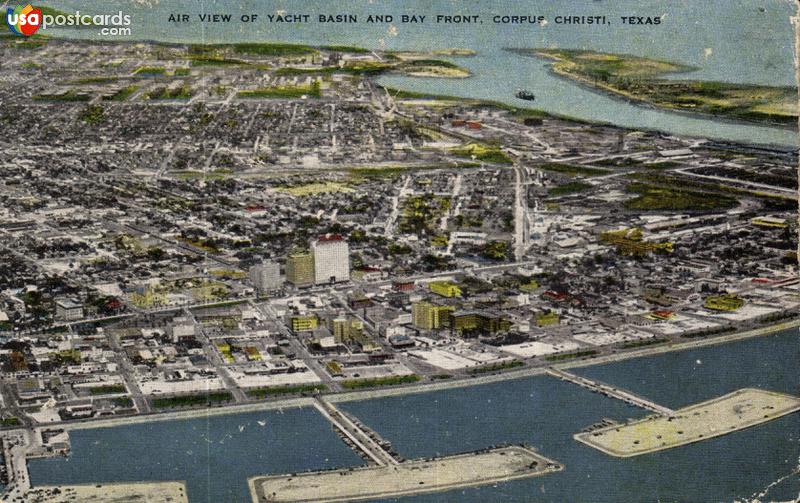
(283, 92)
(313, 188)
(282, 50)
(345, 48)
(657, 198)
(641, 79)
(107, 389)
(10, 422)
(769, 200)
(431, 67)
(568, 188)
(481, 152)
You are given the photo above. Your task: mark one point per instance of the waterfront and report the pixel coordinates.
(216, 454)
(546, 413)
(725, 53)
(213, 455)
(769, 363)
(540, 411)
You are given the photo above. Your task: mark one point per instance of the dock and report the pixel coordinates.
(610, 391)
(358, 436)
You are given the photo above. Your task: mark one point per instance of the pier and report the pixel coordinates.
(610, 391)
(358, 436)
(419, 476)
(744, 408)
(15, 448)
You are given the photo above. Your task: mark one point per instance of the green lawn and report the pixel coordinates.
(286, 390)
(107, 389)
(569, 356)
(380, 381)
(496, 367)
(192, 400)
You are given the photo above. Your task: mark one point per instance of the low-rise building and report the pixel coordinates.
(445, 288)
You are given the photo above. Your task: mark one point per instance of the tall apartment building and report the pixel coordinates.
(331, 259)
(300, 268)
(345, 329)
(266, 277)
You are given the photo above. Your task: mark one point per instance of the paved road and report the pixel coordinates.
(358, 436)
(128, 374)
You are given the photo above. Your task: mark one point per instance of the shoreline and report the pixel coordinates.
(640, 102)
(769, 145)
(613, 94)
(354, 396)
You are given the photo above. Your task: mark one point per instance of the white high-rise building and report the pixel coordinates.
(266, 277)
(331, 259)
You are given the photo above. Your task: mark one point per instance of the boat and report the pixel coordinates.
(524, 94)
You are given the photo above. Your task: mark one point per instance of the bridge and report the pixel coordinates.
(610, 391)
(358, 436)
